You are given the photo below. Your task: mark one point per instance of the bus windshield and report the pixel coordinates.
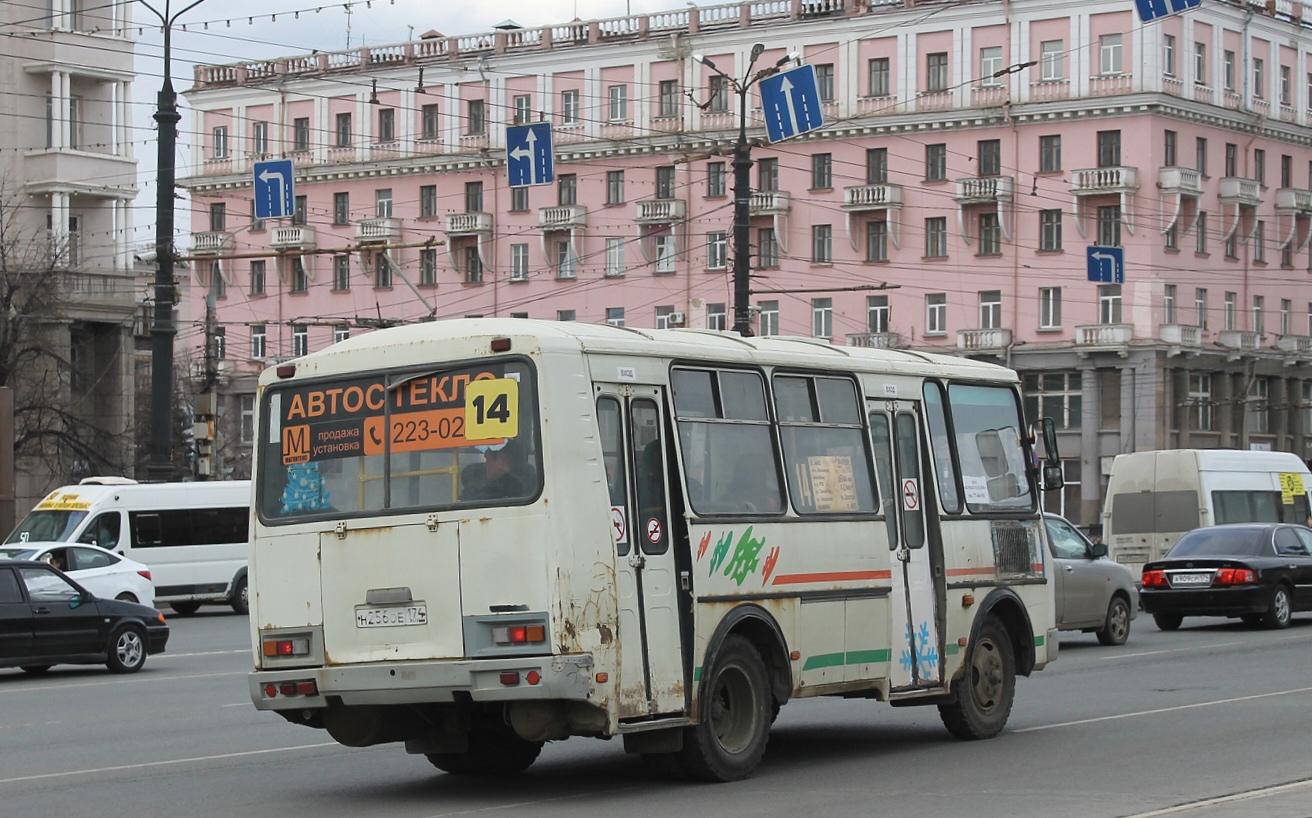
(417, 439)
(47, 526)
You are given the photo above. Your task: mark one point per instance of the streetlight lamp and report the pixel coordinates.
(742, 185)
(163, 330)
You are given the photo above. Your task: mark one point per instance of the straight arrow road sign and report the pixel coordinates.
(529, 155)
(791, 103)
(275, 189)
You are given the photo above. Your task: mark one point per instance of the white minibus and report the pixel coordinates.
(194, 537)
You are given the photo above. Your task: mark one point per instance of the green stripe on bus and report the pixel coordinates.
(1038, 641)
(855, 657)
(951, 649)
(696, 674)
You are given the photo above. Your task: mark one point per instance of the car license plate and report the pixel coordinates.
(1191, 580)
(391, 617)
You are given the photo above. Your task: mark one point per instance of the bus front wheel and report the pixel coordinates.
(730, 738)
(495, 751)
(985, 691)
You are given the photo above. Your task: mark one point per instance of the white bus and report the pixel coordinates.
(477, 536)
(194, 537)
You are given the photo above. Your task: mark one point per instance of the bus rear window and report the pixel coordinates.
(402, 441)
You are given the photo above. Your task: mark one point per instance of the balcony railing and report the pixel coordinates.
(1104, 335)
(211, 242)
(1093, 181)
(1241, 191)
(872, 197)
(563, 217)
(973, 340)
(1292, 198)
(875, 340)
(1241, 339)
(984, 189)
(468, 224)
(1186, 335)
(661, 211)
(769, 202)
(378, 230)
(1184, 181)
(1300, 344)
(289, 238)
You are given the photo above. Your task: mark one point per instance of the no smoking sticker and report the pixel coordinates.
(911, 494)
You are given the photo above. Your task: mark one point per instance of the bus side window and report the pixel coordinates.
(103, 531)
(145, 528)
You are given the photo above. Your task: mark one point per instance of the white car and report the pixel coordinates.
(103, 573)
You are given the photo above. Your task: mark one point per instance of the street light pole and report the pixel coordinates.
(163, 329)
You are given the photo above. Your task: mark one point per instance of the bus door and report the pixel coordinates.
(917, 647)
(650, 645)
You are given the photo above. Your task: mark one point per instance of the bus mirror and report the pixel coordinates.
(1050, 442)
(1052, 477)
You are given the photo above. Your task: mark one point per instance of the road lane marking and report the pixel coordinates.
(166, 762)
(202, 653)
(136, 679)
(1161, 710)
(1278, 789)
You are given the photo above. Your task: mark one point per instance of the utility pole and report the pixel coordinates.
(163, 330)
(742, 187)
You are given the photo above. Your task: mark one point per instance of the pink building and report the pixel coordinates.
(971, 156)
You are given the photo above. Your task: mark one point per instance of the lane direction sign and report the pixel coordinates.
(791, 103)
(1106, 264)
(275, 189)
(1150, 10)
(529, 155)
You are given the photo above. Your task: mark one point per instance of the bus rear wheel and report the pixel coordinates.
(491, 752)
(984, 693)
(729, 740)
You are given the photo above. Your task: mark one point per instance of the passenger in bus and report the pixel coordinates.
(755, 486)
(502, 470)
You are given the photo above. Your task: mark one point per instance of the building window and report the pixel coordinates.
(936, 162)
(715, 179)
(565, 260)
(1259, 314)
(247, 411)
(1109, 149)
(341, 273)
(1055, 395)
(519, 262)
(1168, 148)
(1200, 233)
(1200, 63)
(990, 65)
(717, 248)
(300, 281)
(1109, 303)
(382, 271)
(715, 316)
(1200, 155)
(936, 314)
(257, 276)
(663, 316)
(666, 252)
(343, 130)
(301, 134)
(299, 209)
(386, 125)
(880, 80)
(473, 265)
(767, 174)
(428, 201)
(990, 309)
(1286, 310)
(519, 200)
(341, 332)
(1231, 159)
(1049, 154)
(989, 153)
(1050, 308)
(1259, 78)
(567, 189)
(824, 81)
(566, 315)
(665, 182)
(430, 127)
(990, 234)
(300, 340)
(1259, 166)
(822, 243)
(1286, 85)
(523, 104)
(220, 283)
(1199, 402)
(1259, 242)
(877, 314)
(1286, 170)
(614, 256)
(615, 316)
(1232, 247)
(218, 216)
(767, 249)
(1257, 408)
(383, 203)
(936, 237)
(669, 99)
(877, 240)
(768, 318)
(876, 166)
(1168, 304)
(936, 71)
(1109, 54)
(719, 95)
(220, 142)
(260, 138)
(1168, 55)
(1200, 308)
(1052, 55)
(1109, 225)
(618, 96)
(475, 119)
(258, 338)
(569, 107)
(1049, 229)
(428, 267)
(473, 197)
(822, 171)
(341, 208)
(822, 317)
(614, 187)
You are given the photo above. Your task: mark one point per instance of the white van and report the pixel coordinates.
(194, 537)
(1154, 497)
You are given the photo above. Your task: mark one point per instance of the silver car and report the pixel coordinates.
(1093, 594)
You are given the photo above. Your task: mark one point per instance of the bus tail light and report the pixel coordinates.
(1154, 579)
(519, 634)
(302, 687)
(286, 647)
(1234, 576)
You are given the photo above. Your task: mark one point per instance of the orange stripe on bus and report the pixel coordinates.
(830, 576)
(962, 572)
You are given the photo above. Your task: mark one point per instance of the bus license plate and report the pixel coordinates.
(1191, 580)
(391, 617)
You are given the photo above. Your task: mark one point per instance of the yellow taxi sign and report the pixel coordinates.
(1291, 486)
(492, 408)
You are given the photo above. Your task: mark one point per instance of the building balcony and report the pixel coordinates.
(985, 190)
(1297, 344)
(1295, 199)
(1185, 335)
(292, 238)
(1240, 339)
(768, 203)
(375, 231)
(80, 172)
(875, 340)
(1104, 335)
(1246, 192)
(1180, 181)
(563, 217)
(211, 243)
(468, 224)
(983, 340)
(871, 197)
(661, 211)
(1099, 181)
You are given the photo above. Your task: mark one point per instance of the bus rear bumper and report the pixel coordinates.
(521, 678)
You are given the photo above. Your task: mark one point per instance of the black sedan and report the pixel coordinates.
(1259, 572)
(48, 619)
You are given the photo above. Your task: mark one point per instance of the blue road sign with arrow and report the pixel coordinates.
(529, 155)
(1107, 264)
(275, 189)
(791, 103)
(1150, 10)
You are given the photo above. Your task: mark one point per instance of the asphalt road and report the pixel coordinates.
(1213, 720)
